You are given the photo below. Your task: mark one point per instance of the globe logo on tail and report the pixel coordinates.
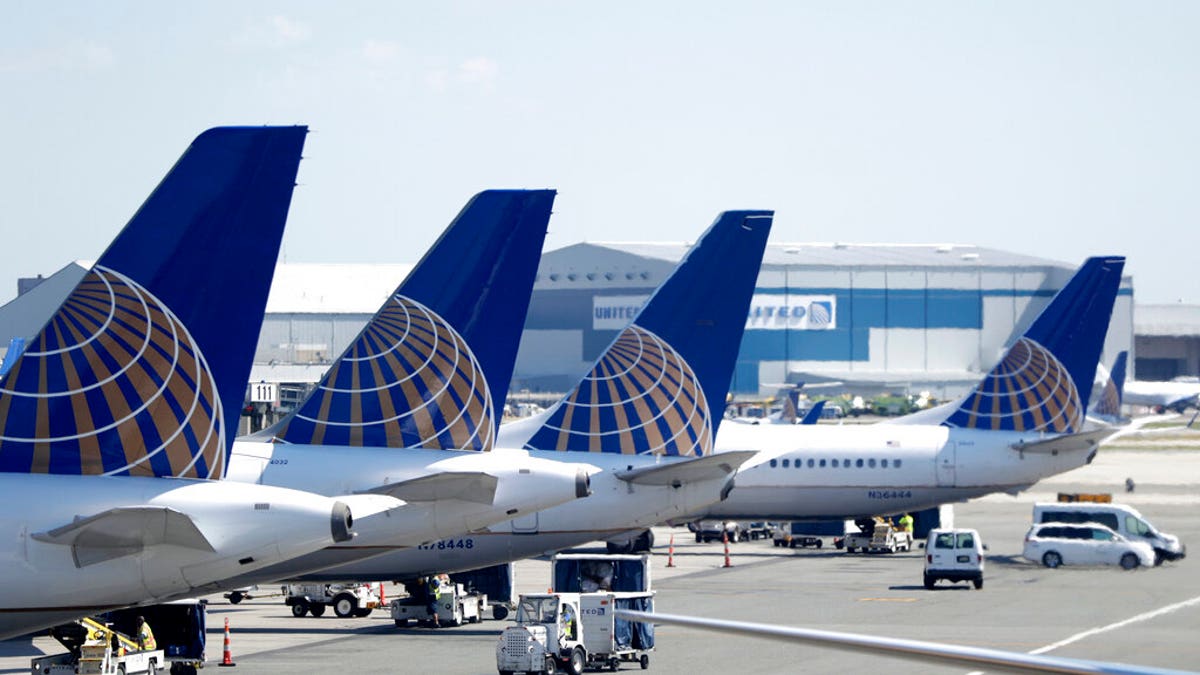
(640, 398)
(409, 380)
(1029, 390)
(113, 385)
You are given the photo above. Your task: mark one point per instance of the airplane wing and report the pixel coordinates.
(1068, 442)
(125, 530)
(915, 650)
(468, 486)
(688, 471)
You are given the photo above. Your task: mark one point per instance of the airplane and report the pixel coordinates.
(641, 422)
(789, 411)
(115, 422)
(1107, 407)
(1023, 422)
(993, 660)
(411, 407)
(1178, 394)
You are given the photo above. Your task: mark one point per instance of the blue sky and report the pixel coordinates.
(1046, 128)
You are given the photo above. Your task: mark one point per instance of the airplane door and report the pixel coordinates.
(526, 524)
(946, 461)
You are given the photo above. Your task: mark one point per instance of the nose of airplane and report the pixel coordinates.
(340, 522)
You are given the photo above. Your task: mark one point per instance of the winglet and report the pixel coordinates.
(135, 372)
(1044, 381)
(658, 387)
(432, 367)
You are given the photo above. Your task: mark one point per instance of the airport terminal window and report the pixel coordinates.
(786, 463)
(871, 463)
(858, 463)
(772, 464)
(811, 462)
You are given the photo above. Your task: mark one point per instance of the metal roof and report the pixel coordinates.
(828, 254)
(1166, 320)
(321, 288)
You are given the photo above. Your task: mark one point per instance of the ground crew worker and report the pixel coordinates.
(568, 622)
(433, 593)
(906, 523)
(145, 636)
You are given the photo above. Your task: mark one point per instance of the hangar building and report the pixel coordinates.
(888, 317)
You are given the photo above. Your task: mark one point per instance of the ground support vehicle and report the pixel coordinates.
(96, 649)
(716, 530)
(757, 530)
(783, 535)
(879, 536)
(954, 555)
(574, 631)
(1124, 520)
(456, 606)
(347, 600)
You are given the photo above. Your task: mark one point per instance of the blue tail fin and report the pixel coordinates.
(415, 375)
(814, 413)
(139, 369)
(660, 387)
(1109, 405)
(1044, 381)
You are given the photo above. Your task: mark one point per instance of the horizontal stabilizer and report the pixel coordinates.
(711, 467)
(1083, 440)
(467, 486)
(125, 530)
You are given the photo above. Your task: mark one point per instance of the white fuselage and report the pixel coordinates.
(525, 484)
(818, 472)
(1161, 394)
(247, 526)
(616, 506)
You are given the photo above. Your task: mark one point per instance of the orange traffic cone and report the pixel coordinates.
(725, 538)
(671, 552)
(227, 659)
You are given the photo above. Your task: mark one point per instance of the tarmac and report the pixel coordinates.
(1147, 616)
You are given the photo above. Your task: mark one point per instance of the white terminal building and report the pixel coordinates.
(882, 317)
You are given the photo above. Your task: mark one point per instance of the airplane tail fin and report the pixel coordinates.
(1109, 404)
(415, 375)
(814, 414)
(141, 368)
(660, 386)
(1044, 381)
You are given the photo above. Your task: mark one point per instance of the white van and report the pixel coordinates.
(954, 555)
(1124, 520)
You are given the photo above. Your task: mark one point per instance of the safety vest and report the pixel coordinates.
(906, 523)
(146, 638)
(435, 588)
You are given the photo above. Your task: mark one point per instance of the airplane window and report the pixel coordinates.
(858, 463)
(846, 463)
(786, 462)
(834, 463)
(896, 463)
(871, 463)
(883, 463)
(773, 464)
(822, 464)
(800, 463)
(810, 463)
